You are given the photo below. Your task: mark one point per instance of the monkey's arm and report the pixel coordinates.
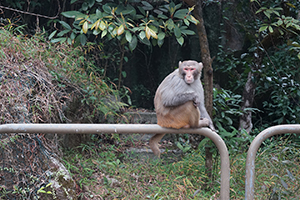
(181, 98)
(204, 114)
(173, 91)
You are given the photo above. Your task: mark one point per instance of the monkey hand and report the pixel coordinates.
(203, 122)
(196, 102)
(211, 126)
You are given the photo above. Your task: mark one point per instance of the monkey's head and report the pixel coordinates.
(190, 70)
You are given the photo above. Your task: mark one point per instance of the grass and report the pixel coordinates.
(107, 172)
(136, 178)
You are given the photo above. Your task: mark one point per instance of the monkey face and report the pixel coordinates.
(189, 74)
(190, 70)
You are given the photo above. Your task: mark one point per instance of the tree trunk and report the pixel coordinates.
(122, 49)
(249, 92)
(247, 102)
(207, 71)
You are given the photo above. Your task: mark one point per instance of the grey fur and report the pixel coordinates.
(175, 91)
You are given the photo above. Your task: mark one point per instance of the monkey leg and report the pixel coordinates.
(154, 143)
(183, 116)
(187, 114)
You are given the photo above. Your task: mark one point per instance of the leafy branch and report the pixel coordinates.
(128, 23)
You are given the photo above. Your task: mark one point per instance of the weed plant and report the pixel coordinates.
(107, 172)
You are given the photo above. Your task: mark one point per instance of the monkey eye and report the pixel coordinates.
(188, 69)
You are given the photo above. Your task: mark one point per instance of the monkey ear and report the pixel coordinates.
(200, 65)
(179, 63)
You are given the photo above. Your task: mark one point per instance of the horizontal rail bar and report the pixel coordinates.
(127, 129)
(250, 162)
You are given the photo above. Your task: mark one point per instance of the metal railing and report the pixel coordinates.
(250, 162)
(127, 129)
(153, 129)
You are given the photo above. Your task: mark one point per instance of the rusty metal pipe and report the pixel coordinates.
(250, 162)
(127, 129)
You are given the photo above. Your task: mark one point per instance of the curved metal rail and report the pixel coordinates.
(127, 129)
(250, 162)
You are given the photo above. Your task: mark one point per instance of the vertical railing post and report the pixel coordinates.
(250, 162)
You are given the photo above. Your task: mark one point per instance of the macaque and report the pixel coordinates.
(179, 101)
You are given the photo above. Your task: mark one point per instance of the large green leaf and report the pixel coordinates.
(142, 35)
(170, 24)
(160, 42)
(263, 28)
(145, 41)
(186, 22)
(161, 36)
(99, 13)
(52, 34)
(133, 43)
(180, 40)
(128, 36)
(91, 3)
(147, 6)
(73, 14)
(85, 6)
(177, 31)
(187, 32)
(103, 34)
(81, 39)
(63, 32)
(181, 13)
(126, 10)
(102, 26)
(106, 9)
(161, 16)
(172, 8)
(61, 39)
(64, 24)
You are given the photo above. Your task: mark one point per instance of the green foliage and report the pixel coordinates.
(236, 141)
(226, 107)
(280, 80)
(42, 189)
(277, 21)
(69, 72)
(295, 46)
(232, 69)
(101, 97)
(277, 92)
(183, 145)
(128, 22)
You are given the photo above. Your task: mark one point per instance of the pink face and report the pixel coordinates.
(189, 74)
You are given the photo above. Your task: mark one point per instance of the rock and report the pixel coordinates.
(143, 117)
(61, 186)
